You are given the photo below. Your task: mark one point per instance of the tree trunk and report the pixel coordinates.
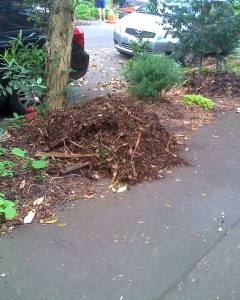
(59, 48)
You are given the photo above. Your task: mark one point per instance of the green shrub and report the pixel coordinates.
(202, 27)
(199, 100)
(86, 10)
(23, 67)
(236, 5)
(151, 74)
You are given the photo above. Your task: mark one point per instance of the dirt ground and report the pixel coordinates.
(115, 138)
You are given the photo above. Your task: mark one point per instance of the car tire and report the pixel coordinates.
(15, 104)
(20, 102)
(187, 59)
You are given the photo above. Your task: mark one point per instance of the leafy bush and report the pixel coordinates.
(203, 27)
(86, 10)
(23, 68)
(199, 100)
(236, 5)
(151, 74)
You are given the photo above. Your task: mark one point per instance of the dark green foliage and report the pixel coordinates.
(203, 27)
(86, 10)
(23, 67)
(150, 75)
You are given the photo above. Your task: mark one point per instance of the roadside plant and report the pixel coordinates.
(36, 164)
(198, 100)
(150, 75)
(86, 10)
(140, 46)
(6, 168)
(202, 27)
(16, 121)
(7, 209)
(2, 150)
(23, 68)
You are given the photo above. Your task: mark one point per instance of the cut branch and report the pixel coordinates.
(75, 167)
(137, 143)
(64, 155)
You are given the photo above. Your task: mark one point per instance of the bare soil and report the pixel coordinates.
(116, 137)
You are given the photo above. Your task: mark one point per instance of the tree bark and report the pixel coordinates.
(59, 48)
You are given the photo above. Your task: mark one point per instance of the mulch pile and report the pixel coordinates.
(109, 136)
(114, 137)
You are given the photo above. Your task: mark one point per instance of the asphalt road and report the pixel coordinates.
(105, 62)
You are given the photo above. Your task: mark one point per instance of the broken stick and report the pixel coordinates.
(75, 167)
(64, 155)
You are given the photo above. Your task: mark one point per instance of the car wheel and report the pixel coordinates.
(187, 59)
(19, 102)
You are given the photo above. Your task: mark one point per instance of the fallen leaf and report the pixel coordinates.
(122, 189)
(168, 205)
(112, 184)
(62, 224)
(38, 201)
(114, 176)
(50, 221)
(88, 196)
(29, 217)
(23, 183)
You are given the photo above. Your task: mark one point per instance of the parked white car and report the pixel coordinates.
(144, 22)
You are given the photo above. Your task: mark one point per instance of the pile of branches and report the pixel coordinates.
(109, 137)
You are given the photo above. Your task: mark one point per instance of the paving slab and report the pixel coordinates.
(144, 243)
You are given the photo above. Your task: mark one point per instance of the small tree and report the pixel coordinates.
(202, 26)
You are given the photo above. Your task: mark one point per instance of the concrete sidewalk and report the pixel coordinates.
(177, 238)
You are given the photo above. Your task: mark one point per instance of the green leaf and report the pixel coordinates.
(18, 152)
(16, 116)
(8, 203)
(39, 80)
(39, 164)
(2, 150)
(1, 202)
(43, 157)
(9, 90)
(42, 86)
(10, 213)
(24, 165)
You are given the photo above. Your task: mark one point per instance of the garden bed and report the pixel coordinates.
(113, 138)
